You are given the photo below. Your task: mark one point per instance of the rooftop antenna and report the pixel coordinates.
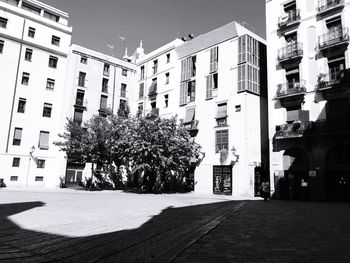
(111, 47)
(123, 38)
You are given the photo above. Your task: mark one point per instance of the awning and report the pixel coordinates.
(189, 115)
(222, 111)
(153, 88)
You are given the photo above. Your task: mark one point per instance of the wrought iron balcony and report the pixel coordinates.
(327, 81)
(328, 5)
(289, 89)
(292, 130)
(290, 18)
(335, 38)
(290, 52)
(80, 103)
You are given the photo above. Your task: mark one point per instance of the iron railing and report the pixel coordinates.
(334, 36)
(325, 5)
(291, 88)
(332, 78)
(288, 18)
(291, 50)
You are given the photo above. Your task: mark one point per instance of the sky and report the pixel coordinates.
(98, 23)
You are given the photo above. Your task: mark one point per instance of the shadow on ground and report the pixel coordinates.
(138, 245)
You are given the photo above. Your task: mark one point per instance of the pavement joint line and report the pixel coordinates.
(171, 253)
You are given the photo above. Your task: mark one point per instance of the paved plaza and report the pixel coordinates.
(76, 226)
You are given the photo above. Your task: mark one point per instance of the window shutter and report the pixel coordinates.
(209, 87)
(44, 140)
(222, 111)
(18, 134)
(183, 87)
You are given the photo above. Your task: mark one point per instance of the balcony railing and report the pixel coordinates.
(289, 18)
(333, 38)
(80, 103)
(291, 89)
(153, 113)
(292, 130)
(327, 5)
(331, 79)
(292, 50)
(312, 128)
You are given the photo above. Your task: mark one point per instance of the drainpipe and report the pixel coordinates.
(15, 88)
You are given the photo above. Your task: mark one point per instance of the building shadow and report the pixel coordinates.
(316, 154)
(143, 244)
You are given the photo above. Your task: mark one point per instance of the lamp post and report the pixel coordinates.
(30, 157)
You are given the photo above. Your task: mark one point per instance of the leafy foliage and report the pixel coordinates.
(154, 153)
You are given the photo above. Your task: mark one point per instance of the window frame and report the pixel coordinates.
(17, 141)
(44, 146)
(28, 55)
(25, 78)
(55, 40)
(221, 143)
(2, 44)
(3, 22)
(49, 83)
(53, 61)
(31, 32)
(21, 108)
(16, 162)
(47, 110)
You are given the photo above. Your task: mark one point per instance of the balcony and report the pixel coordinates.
(292, 130)
(292, 18)
(335, 39)
(325, 6)
(103, 111)
(291, 93)
(80, 103)
(330, 80)
(292, 53)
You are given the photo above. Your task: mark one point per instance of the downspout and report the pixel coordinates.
(15, 88)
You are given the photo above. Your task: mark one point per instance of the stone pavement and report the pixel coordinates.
(187, 228)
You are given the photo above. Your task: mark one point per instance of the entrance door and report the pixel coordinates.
(222, 179)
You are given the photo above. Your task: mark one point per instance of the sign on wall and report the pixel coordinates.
(222, 179)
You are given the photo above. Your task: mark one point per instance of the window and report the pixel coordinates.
(14, 178)
(12, 2)
(140, 107)
(221, 114)
(16, 162)
(187, 92)
(17, 136)
(188, 68)
(141, 90)
(142, 75)
(166, 100)
(154, 103)
(79, 100)
(40, 178)
(44, 140)
(189, 121)
(31, 32)
(3, 22)
(106, 69)
(50, 84)
(155, 66)
(28, 54)
(55, 40)
(167, 77)
(53, 62)
(1, 46)
(168, 58)
(212, 86)
(81, 81)
(248, 78)
(221, 140)
(40, 164)
(51, 16)
(105, 85)
(25, 78)
(238, 108)
(214, 58)
(47, 110)
(78, 116)
(124, 72)
(103, 102)
(123, 90)
(335, 67)
(30, 8)
(153, 88)
(21, 105)
(83, 60)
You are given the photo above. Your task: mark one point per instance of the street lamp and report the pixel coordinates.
(30, 157)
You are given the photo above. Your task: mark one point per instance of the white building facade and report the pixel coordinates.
(95, 83)
(34, 45)
(308, 51)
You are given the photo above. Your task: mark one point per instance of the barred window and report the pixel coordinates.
(221, 140)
